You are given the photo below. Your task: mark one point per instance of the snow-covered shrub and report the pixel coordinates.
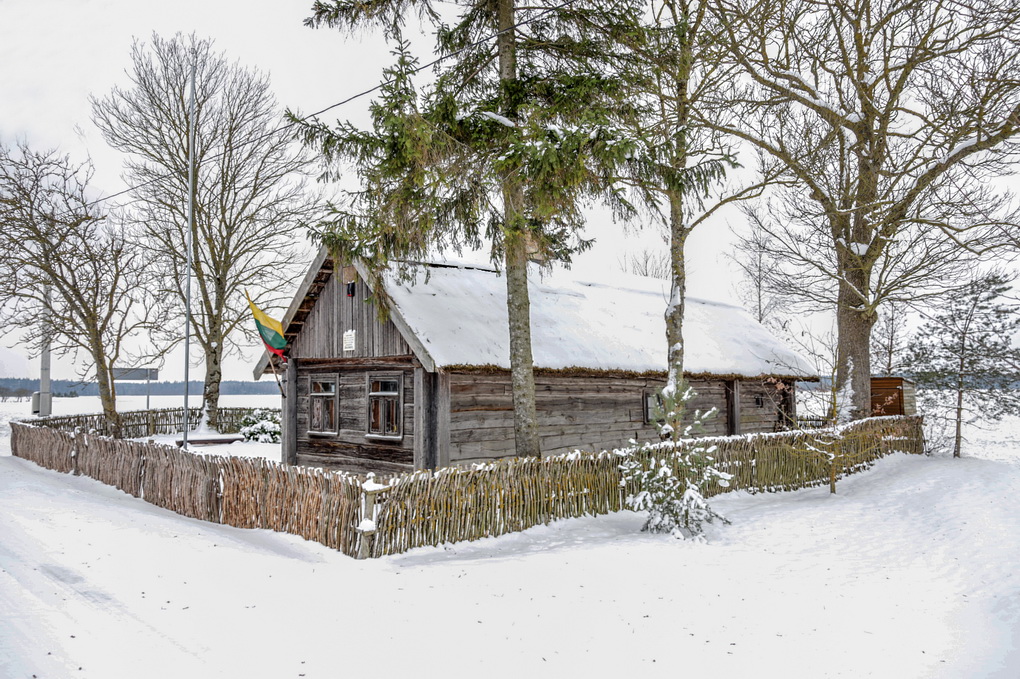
(670, 475)
(261, 426)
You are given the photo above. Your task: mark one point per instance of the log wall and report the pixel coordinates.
(590, 413)
(349, 449)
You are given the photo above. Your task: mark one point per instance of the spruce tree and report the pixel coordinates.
(514, 136)
(966, 349)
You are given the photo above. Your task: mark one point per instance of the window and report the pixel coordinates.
(652, 405)
(322, 405)
(385, 406)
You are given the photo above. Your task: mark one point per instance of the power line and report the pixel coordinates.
(349, 99)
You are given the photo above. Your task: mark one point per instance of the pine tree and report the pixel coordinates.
(510, 141)
(670, 475)
(966, 349)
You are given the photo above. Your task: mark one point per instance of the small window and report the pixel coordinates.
(759, 401)
(322, 406)
(385, 406)
(652, 404)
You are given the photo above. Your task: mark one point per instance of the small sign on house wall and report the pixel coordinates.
(349, 339)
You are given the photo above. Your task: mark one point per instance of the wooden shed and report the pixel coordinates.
(893, 396)
(430, 385)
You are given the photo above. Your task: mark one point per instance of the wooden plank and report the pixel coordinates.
(443, 425)
(417, 348)
(733, 408)
(355, 465)
(290, 405)
(419, 420)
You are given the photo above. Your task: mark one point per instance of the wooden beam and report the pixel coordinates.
(442, 398)
(733, 408)
(289, 439)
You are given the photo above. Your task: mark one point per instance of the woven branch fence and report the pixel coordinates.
(363, 518)
(234, 491)
(141, 423)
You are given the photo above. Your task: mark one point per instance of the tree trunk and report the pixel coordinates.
(522, 375)
(211, 388)
(678, 230)
(678, 280)
(958, 436)
(107, 395)
(854, 321)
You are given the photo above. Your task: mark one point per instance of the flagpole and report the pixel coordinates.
(270, 350)
(283, 394)
(188, 239)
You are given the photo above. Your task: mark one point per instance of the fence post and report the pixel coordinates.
(75, 450)
(367, 526)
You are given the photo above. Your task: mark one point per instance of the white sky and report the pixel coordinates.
(55, 53)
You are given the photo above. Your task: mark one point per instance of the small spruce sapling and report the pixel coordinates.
(671, 474)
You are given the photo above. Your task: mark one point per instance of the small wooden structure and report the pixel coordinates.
(428, 384)
(893, 396)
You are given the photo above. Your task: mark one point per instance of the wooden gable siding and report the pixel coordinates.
(334, 313)
(350, 449)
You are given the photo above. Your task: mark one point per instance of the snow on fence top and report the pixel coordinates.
(459, 314)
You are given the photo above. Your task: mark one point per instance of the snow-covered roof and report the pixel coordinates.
(458, 316)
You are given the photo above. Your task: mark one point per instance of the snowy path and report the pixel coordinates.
(907, 572)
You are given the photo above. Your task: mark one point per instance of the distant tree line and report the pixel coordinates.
(22, 387)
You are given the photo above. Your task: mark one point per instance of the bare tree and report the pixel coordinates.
(250, 196)
(69, 275)
(649, 262)
(889, 339)
(888, 117)
(761, 288)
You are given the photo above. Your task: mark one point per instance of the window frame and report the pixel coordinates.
(313, 397)
(384, 396)
(646, 405)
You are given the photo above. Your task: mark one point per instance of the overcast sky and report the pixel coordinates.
(55, 53)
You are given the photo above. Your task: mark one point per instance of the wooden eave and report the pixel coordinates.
(304, 300)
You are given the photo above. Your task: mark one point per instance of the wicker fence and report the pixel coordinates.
(363, 518)
(241, 492)
(141, 423)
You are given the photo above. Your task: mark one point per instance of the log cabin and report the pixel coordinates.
(427, 383)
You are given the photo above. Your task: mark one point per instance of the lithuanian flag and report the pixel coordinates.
(270, 330)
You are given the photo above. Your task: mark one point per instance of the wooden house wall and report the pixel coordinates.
(349, 448)
(762, 406)
(335, 313)
(590, 413)
(893, 396)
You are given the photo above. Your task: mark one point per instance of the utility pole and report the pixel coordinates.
(188, 238)
(45, 393)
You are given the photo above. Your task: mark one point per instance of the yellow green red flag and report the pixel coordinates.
(269, 329)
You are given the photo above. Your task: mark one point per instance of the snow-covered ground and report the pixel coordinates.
(909, 571)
